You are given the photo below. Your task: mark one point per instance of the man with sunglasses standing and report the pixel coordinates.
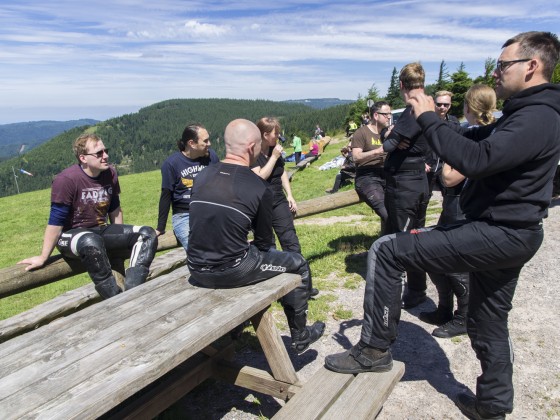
(86, 221)
(510, 165)
(368, 154)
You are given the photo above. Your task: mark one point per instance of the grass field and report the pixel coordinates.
(23, 218)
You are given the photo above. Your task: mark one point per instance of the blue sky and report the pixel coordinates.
(67, 59)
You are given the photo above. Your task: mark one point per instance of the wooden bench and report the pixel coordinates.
(88, 363)
(335, 396)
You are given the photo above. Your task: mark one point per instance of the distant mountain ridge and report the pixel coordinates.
(33, 133)
(141, 141)
(321, 103)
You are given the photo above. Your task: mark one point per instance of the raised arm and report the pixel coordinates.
(265, 171)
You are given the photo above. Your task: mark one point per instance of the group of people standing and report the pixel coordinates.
(498, 179)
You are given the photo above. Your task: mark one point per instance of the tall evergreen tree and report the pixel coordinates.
(394, 93)
(487, 79)
(442, 82)
(460, 83)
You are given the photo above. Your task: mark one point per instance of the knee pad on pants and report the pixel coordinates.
(145, 248)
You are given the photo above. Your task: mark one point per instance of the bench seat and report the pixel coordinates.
(331, 395)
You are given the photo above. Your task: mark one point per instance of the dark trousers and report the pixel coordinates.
(283, 225)
(371, 189)
(341, 179)
(298, 157)
(494, 256)
(406, 200)
(93, 246)
(258, 266)
(450, 284)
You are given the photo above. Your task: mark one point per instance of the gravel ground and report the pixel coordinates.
(436, 369)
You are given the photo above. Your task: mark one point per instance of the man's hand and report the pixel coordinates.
(421, 103)
(34, 262)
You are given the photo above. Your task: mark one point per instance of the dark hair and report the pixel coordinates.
(378, 105)
(545, 45)
(189, 133)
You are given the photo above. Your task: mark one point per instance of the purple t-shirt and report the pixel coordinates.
(89, 198)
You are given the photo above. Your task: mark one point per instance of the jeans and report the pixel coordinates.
(180, 222)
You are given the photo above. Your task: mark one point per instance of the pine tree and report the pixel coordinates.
(442, 82)
(460, 83)
(394, 93)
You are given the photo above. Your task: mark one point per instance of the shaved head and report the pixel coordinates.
(240, 135)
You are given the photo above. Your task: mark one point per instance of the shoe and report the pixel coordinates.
(457, 326)
(329, 191)
(467, 404)
(314, 292)
(437, 317)
(310, 334)
(359, 359)
(413, 298)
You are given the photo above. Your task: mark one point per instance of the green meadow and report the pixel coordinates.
(328, 240)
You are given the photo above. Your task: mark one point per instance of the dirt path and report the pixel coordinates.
(436, 369)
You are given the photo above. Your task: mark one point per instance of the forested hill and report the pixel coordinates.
(33, 133)
(140, 142)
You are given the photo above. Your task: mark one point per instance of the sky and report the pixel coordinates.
(66, 59)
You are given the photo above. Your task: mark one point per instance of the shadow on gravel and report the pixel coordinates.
(425, 360)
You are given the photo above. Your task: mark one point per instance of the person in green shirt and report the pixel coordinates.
(296, 143)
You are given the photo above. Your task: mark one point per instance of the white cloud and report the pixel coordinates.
(124, 51)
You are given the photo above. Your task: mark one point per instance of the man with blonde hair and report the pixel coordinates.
(504, 201)
(86, 221)
(228, 202)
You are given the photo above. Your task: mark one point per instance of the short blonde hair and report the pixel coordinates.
(443, 93)
(481, 101)
(412, 76)
(80, 144)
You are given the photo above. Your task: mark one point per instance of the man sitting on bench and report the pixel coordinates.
(84, 199)
(228, 201)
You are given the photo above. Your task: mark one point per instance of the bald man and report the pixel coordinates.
(228, 201)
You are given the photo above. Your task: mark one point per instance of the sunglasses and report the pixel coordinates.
(438, 104)
(98, 154)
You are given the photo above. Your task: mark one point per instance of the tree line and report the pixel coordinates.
(141, 141)
(457, 82)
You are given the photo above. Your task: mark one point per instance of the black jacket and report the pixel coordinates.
(509, 164)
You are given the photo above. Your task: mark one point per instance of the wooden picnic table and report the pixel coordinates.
(85, 364)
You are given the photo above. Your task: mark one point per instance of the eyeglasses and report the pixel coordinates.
(98, 154)
(503, 65)
(385, 114)
(439, 104)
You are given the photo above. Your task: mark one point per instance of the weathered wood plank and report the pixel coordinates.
(365, 396)
(273, 348)
(92, 384)
(316, 396)
(255, 379)
(77, 299)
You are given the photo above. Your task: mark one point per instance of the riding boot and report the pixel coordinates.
(135, 276)
(302, 335)
(108, 288)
